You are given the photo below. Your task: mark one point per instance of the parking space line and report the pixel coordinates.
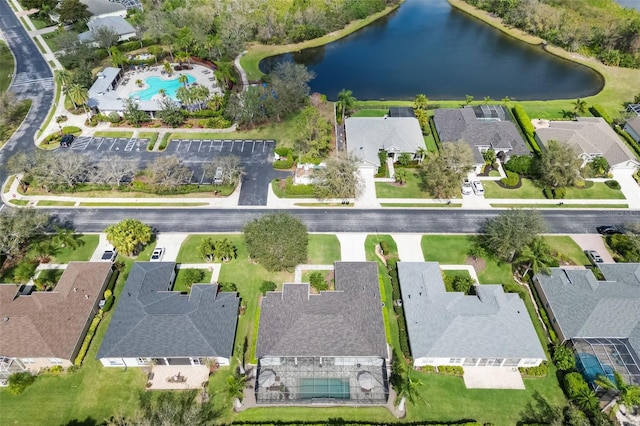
(130, 144)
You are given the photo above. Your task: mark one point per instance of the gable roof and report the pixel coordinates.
(344, 322)
(585, 307)
(634, 123)
(481, 127)
(52, 323)
(150, 321)
(588, 135)
(103, 7)
(366, 136)
(442, 324)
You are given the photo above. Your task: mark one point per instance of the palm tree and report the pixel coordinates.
(235, 385)
(65, 238)
(225, 74)
(535, 257)
(487, 100)
(139, 83)
(225, 250)
(587, 400)
(579, 107)
(182, 78)
(215, 103)
(625, 394)
(401, 176)
(167, 67)
(63, 78)
(117, 57)
(162, 92)
(506, 100)
(79, 95)
(181, 57)
(422, 153)
(346, 101)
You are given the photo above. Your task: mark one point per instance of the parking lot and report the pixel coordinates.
(256, 157)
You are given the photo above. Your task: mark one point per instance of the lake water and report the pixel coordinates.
(428, 47)
(634, 4)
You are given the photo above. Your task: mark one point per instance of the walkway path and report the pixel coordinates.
(352, 247)
(409, 247)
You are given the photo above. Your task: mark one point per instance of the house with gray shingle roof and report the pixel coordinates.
(632, 126)
(490, 328)
(482, 128)
(367, 136)
(589, 313)
(324, 347)
(46, 328)
(151, 323)
(591, 137)
(116, 24)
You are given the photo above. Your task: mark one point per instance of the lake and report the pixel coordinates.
(633, 4)
(426, 46)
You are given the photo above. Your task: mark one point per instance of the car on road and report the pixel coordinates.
(466, 187)
(157, 254)
(478, 189)
(594, 257)
(610, 230)
(109, 255)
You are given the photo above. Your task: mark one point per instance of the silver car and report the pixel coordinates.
(466, 187)
(594, 257)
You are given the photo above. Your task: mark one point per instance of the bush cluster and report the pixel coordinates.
(283, 164)
(392, 270)
(18, 382)
(574, 384)
(451, 370)
(554, 193)
(613, 184)
(297, 190)
(512, 179)
(525, 123)
(625, 246)
(215, 123)
(227, 286)
(599, 111)
(267, 286)
(87, 339)
(429, 369)
(539, 371)
(547, 323)
(317, 281)
(384, 246)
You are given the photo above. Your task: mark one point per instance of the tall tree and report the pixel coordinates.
(105, 37)
(171, 113)
(313, 133)
(128, 236)
(506, 235)
(169, 172)
(340, 178)
(78, 95)
(420, 102)
(18, 227)
(65, 170)
(579, 106)
(230, 167)
(113, 170)
(71, 11)
(288, 89)
(559, 165)
(625, 393)
(442, 173)
(277, 241)
(20, 164)
(133, 114)
(62, 78)
(346, 102)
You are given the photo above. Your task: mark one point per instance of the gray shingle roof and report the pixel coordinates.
(102, 7)
(150, 321)
(584, 307)
(588, 135)
(634, 123)
(366, 136)
(344, 322)
(461, 124)
(442, 324)
(115, 23)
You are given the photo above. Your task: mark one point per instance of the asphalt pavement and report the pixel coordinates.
(33, 79)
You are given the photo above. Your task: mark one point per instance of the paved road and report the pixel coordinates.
(336, 220)
(33, 80)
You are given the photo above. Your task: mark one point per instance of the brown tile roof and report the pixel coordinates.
(52, 324)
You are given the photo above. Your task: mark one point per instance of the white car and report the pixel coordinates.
(157, 255)
(466, 187)
(478, 189)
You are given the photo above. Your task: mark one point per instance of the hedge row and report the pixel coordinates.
(339, 422)
(599, 111)
(285, 164)
(540, 371)
(554, 193)
(392, 270)
(627, 137)
(545, 318)
(525, 124)
(451, 370)
(87, 340)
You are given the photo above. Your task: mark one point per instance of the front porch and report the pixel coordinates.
(171, 377)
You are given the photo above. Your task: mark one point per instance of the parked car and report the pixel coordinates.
(594, 257)
(478, 189)
(157, 254)
(109, 255)
(217, 178)
(466, 187)
(67, 140)
(610, 230)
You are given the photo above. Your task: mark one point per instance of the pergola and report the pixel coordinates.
(9, 366)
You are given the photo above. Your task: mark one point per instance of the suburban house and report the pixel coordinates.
(101, 8)
(600, 319)
(634, 108)
(367, 136)
(104, 99)
(46, 328)
(116, 24)
(324, 348)
(154, 325)
(632, 126)
(591, 137)
(482, 128)
(489, 329)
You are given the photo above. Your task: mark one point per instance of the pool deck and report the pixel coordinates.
(202, 75)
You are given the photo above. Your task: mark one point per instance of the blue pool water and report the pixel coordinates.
(157, 83)
(590, 368)
(323, 388)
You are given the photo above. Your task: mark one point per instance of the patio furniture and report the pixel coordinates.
(177, 379)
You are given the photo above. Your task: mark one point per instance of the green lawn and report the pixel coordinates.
(568, 250)
(45, 203)
(112, 134)
(180, 283)
(411, 189)
(430, 143)
(88, 396)
(324, 249)
(530, 190)
(8, 130)
(370, 113)
(6, 66)
(87, 245)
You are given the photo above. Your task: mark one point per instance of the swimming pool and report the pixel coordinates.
(590, 367)
(323, 388)
(156, 83)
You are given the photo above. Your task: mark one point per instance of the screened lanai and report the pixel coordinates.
(601, 356)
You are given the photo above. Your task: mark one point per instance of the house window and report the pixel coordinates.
(55, 361)
(28, 361)
(142, 361)
(115, 362)
(455, 360)
(530, 361)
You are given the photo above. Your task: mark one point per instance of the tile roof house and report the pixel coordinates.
(153, 323)
(117, 24)
(482, 128)
(328, 347)
(46, 328)
(490, 328)
(581, 308)
(632, 126)
(591, 137)
(367, 136)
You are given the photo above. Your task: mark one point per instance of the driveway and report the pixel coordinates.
(409, 247)
(171, 242)
(256, 156)
(352, 247)
(593, 242)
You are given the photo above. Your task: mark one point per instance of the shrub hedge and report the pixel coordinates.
(108, 303)
(87, 339)
(384, 246)
(613, 184)
(291, 189)
(451, 370)
(599, 111)
(392, 270)
(539, 371)
(428, 369)
(574, 384)
(525, 124)
(283, 164)
(627, 137)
